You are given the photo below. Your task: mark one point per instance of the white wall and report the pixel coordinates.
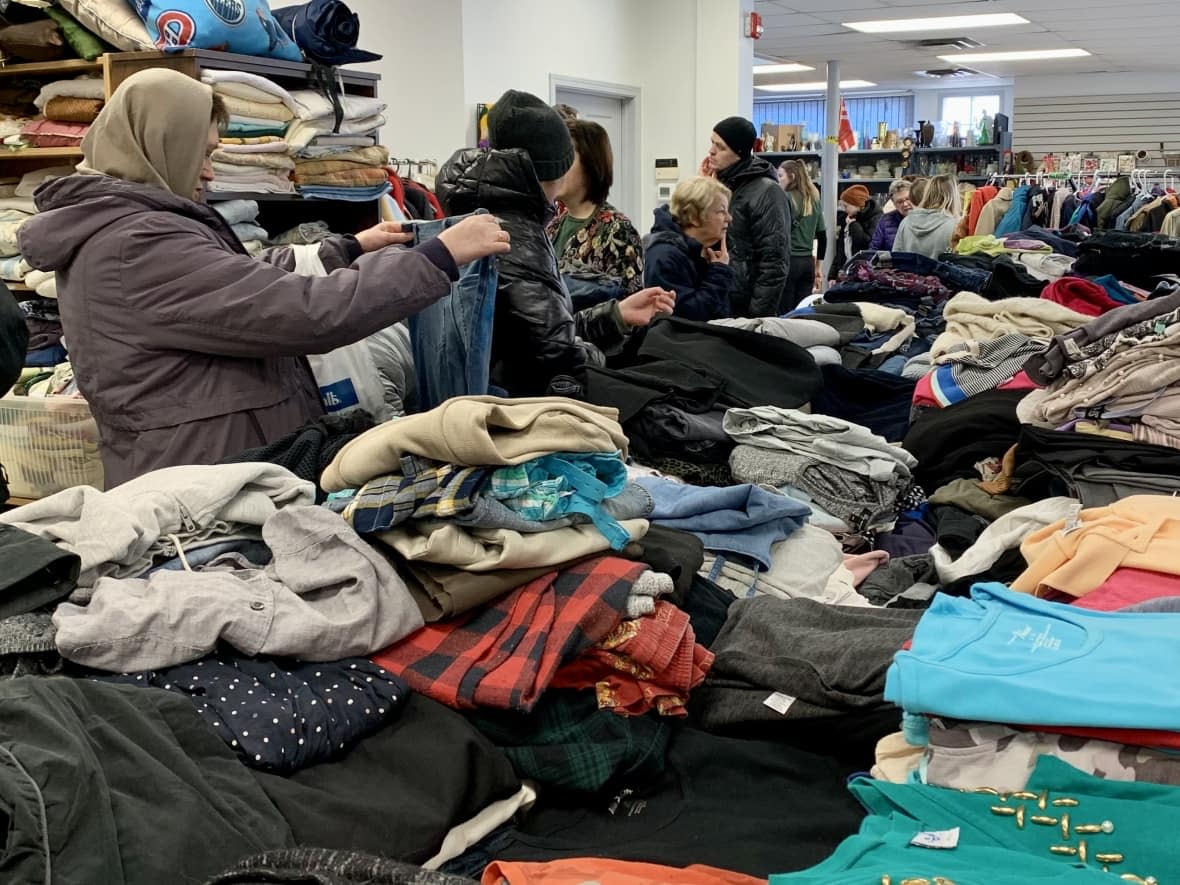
(684, 57)
(443, 57)
(421, 73)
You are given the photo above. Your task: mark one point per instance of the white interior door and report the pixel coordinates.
(607, 112)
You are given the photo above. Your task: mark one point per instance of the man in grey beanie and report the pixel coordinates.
(759, 235)
(536, 336)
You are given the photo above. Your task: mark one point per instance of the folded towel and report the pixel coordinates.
(251, 140)
(52, 133)
(348, 194)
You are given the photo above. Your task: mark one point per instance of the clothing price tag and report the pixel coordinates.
(779, 702)
(937, 839)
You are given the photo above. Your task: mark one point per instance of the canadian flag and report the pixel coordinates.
(846, 140)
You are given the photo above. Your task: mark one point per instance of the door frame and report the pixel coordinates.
(630, 97)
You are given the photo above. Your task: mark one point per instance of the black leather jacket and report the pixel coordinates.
(759, 236)
(536, 336)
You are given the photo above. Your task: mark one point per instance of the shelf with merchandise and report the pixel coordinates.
(54, 69)
(36, 154)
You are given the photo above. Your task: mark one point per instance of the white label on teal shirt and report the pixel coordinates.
(779, 702)
(937, 839)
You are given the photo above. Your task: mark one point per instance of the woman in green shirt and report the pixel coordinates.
(596, 244)
(804, 274)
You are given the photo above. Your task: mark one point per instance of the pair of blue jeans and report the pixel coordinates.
(452, 339)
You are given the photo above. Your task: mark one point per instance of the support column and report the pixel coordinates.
(830, 174)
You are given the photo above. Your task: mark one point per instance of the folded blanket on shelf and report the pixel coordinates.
(80, 87)
(10, 222)
(264, 184)
(242, 107)
(348, 194)
(250, 126)
(310, 105)
(248, 232)
(51, 133)
(231, 83)
(268, 145)
(301, 132)
(264, 160)
(375, 155)
(73, 110)
(255, 140)
(238, 211)
(359, 177)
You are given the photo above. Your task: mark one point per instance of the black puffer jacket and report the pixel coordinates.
(759, 236)
(536, 335)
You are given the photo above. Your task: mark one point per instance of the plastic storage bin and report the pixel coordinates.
(48, 444)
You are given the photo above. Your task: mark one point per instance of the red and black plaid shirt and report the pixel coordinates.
(505, 655)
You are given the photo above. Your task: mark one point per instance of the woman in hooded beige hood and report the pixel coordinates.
(187, 349)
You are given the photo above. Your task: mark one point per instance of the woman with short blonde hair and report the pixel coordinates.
(694, 197)
(686, 252)
(928, 229)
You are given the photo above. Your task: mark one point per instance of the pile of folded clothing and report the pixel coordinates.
(242, 216)
(853, 480)
(356, 173)
(510, 517)
(1114, 376)
(67, 108)
(252, 164)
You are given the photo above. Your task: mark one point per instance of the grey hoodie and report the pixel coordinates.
(925, 231)
(187, 349)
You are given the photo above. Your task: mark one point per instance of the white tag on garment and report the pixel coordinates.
(937, 839)
(779, 702)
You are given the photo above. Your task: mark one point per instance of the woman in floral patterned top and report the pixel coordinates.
(594, 241)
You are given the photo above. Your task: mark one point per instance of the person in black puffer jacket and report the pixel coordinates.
(686, 251)
(759, 237)
(536, 335)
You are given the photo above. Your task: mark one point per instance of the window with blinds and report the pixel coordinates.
(865, 113)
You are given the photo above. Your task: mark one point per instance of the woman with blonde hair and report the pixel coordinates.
(805, 272)
(928, 229)
(687, 253)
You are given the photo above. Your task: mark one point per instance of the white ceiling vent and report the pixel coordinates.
(943, 44)
(949, 73)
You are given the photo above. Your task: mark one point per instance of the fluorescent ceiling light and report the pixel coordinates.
(791, 68)
(940, 23)
(816, 86)
(1018, 55)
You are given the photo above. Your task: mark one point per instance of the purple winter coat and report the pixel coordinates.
(186, 348)
(886, 232)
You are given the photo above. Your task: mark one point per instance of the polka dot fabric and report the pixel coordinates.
(282, 715)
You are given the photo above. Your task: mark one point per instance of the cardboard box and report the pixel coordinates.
(787, 137)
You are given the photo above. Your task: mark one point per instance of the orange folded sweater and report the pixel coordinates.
(1079, 555)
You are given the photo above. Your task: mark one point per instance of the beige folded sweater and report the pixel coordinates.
(478, 431)
(971, 317)
(483, 550)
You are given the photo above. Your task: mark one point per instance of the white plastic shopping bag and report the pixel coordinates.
(347, 376)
